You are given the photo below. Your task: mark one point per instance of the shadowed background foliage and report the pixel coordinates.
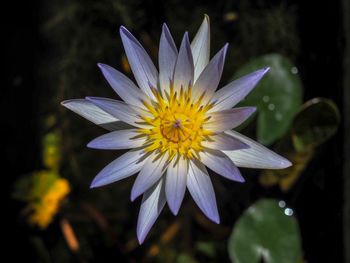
(52, 51)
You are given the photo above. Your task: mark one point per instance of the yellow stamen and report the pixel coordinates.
(177, 123)
(149, 107)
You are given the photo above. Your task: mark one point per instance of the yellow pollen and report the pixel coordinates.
(177, 123)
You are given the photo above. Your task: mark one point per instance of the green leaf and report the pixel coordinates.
(265, 231)
(206, 248)
(32, 187)
(316, 122)
(184, 258)
(41, 183)
(51, 150)
(277, 96)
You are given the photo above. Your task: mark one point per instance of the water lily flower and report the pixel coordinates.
(175, 123)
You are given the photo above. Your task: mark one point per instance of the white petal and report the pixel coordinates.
(201, 48)
(152, 204)
(227, 119)
(224, 142)
(141, 64)
(175, 185)
(91, 112)
(150, 173)
(124, 166)
(202, 191)
(122, 139)
(228, 96)
(209, 79)
(257, 156)
(123, 86)
(121, 110)
(167, 58)
(183, 73)
(221, 164)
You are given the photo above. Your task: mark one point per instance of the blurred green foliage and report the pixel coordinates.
(34, 186)
(277, 96)
(51, 151)
(266, 231)
(183, 258)
(44, 190)
(206, 248)
(316, 122)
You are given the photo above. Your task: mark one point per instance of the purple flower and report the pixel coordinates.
(175, 123)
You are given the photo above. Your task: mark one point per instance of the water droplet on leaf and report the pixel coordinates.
(294, 70)
(288, 211)
(282, 203)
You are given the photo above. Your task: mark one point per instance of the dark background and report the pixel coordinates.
(319, 56)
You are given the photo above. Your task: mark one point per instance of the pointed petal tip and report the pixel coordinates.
(266, 69)
(101, 65)
(224, 50)
(262, 72)
(63, 103)
(124, 32)
(141, 237)
(134, 194)
(94, 184)
(215, 219)
(240, 180)
(285, 163)
(91, 145)
(174, 210)
(140, 241)
(97, 182)
(152, 204)
(165, 27)
(166, 31)
(123, 29)
(186, 36)
(66, 103)
(282, 163)
(247, 111)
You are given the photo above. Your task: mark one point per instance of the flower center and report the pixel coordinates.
(177, 123)
(177, 127)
